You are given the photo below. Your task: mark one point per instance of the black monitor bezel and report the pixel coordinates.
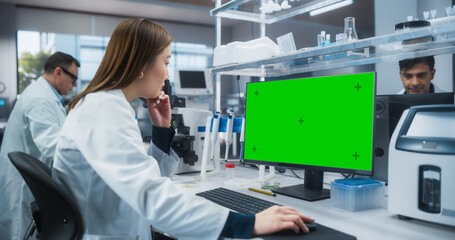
(322, 168)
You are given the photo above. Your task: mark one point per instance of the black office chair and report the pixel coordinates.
(58, 216)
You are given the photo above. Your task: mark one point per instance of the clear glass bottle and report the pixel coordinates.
(349, 29)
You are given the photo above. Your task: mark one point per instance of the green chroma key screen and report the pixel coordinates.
(321, 122)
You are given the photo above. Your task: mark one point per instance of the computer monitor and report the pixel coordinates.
(191, 82)
(317, 124)
(389, 109)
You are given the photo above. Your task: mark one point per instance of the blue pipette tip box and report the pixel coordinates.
(356, 194)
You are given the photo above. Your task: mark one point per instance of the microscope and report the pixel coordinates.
(188, 142)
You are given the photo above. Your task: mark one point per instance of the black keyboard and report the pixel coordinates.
(236, 201)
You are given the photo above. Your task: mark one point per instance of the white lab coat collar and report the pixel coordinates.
(43, 83)
(115, 92)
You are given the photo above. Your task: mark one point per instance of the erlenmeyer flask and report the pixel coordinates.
(349, 29)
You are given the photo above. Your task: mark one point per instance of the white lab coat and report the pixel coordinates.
(436, 90)
(120, 188)
(33, 128)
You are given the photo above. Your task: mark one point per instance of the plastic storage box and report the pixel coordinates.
(355, 194)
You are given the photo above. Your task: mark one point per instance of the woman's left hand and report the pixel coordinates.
(160, 110)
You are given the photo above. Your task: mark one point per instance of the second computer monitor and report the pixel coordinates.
(192, 82)
(320, 123)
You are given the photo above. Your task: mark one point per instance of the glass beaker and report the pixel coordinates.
(349, 29)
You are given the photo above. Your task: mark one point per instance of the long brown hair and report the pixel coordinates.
(134, 43)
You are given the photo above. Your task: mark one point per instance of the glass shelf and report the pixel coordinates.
(387, 48)
(249, 10)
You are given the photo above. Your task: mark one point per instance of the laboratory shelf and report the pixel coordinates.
(249, 10)
(387, 48)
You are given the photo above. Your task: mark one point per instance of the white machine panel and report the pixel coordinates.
(421, 180)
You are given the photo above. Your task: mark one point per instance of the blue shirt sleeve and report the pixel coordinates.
(238, 226)
(162, 138)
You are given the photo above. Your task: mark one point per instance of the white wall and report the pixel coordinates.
(390, 12)
(45, 20)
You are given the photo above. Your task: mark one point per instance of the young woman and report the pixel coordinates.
(121, 188)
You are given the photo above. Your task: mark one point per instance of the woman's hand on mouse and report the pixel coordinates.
(278, 218)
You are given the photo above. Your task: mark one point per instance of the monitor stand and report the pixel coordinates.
(310, 190)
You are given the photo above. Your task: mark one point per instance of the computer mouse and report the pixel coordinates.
(311, 226)
(289, 232)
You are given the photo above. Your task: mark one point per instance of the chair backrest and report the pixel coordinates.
(58, 213)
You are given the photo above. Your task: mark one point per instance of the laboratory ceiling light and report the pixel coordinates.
(330, 7)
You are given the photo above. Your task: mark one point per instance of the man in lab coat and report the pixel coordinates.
(417, 74)
(33, 127)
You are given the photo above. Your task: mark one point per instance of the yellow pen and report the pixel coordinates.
(263, 192)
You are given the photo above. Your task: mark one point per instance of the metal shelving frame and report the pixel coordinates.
(384, 48)
(233, 9)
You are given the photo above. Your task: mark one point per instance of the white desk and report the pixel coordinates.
(365, 225)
